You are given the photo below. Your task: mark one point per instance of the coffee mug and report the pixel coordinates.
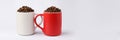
(52, 23)
(25, 23)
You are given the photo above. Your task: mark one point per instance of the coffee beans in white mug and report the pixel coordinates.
(25, 9)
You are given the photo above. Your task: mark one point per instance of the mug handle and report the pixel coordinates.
(38, 25)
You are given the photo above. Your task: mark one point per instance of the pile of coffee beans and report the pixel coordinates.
(53, 9)
(25, 9)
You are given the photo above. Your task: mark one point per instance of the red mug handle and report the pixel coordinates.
(38, 25)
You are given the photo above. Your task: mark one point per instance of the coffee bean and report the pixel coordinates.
(25, 9)
(53, 9)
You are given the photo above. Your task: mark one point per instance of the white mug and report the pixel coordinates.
(25, 23)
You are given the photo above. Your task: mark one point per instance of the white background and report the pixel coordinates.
(82, 19)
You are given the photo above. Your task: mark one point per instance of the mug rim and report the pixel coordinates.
(25, 12)
(53, 12)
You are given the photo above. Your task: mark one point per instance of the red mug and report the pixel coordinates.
(52, 22)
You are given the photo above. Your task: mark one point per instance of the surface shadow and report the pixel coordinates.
(66, 33)
(118, 33)
(38, 33)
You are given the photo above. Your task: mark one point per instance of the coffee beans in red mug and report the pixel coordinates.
(25, 9)
(53, 9)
